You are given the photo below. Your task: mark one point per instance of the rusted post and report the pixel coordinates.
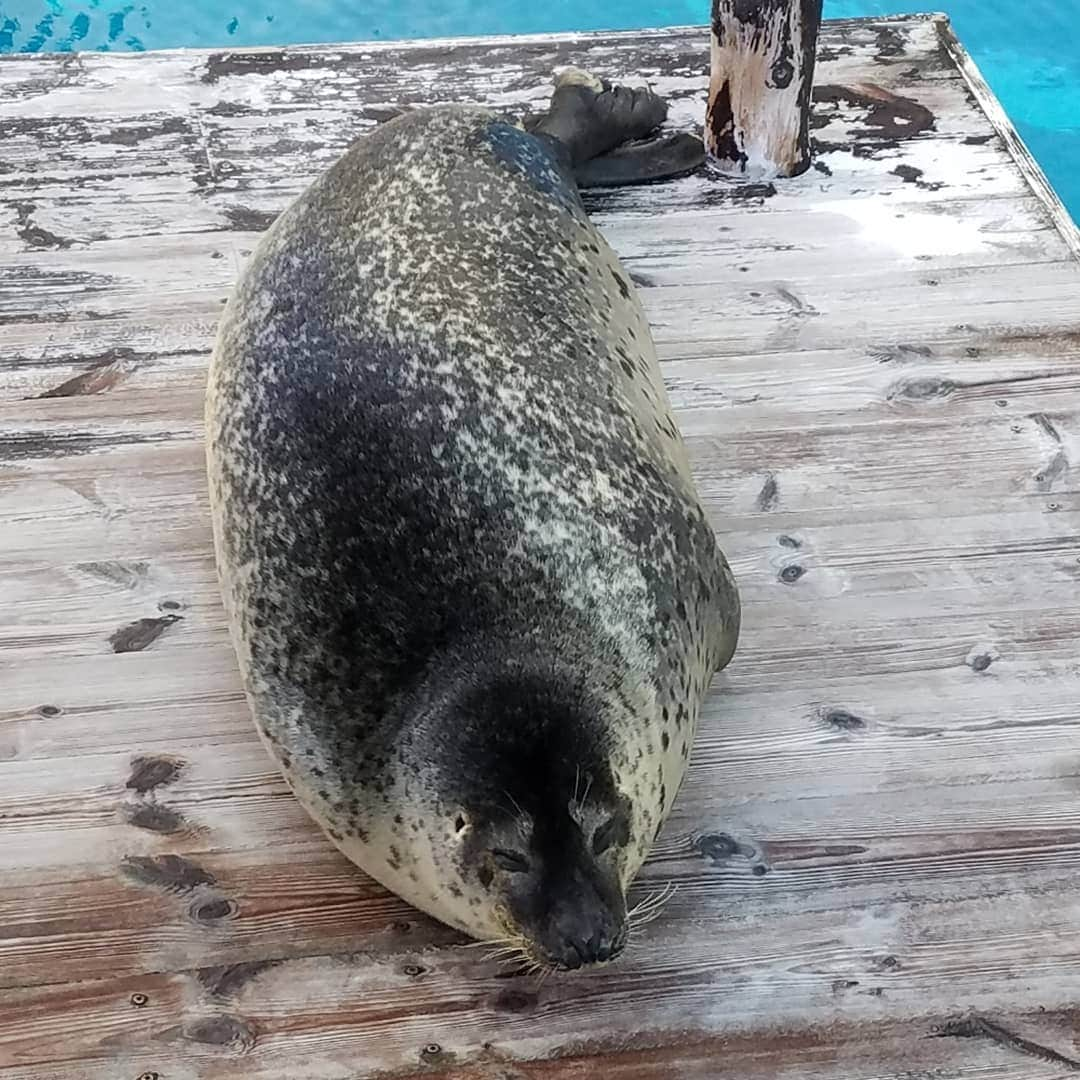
(758, 120)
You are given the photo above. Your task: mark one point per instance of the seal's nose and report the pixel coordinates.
(580, 951)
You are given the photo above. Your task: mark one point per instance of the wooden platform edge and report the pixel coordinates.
(996, 114)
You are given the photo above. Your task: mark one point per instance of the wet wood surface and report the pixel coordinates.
(876, 366)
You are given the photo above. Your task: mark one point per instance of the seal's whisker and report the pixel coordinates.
(508, 952)
(656, 904)
(487, 942)
(502, 954)
(660, 896)
(646, 904)
(650, 898)
(649, 917)
(651, 907)
(547, 970)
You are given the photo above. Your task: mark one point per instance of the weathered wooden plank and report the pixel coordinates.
(211, 143)
(798, 579)
(372, 1014)
(965, 1047)
(741, 251)
(1020, 549)
(57, 216)
(827, 747)
(958, 465)
(968, 312)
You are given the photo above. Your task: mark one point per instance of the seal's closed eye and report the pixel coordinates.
(604, 837)
(511, 861)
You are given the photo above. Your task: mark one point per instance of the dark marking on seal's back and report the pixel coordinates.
(149, 772)
(154, 818)
(622, 283)
(170, 872)
(531, 159)
(140, 634)
(225, 980)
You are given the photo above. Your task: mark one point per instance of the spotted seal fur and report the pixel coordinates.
(473, 592)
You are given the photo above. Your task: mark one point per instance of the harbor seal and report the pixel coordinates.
(472, 589)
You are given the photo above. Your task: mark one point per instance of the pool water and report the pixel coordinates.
(1033, 65)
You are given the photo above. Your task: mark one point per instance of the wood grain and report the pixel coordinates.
(876, 369)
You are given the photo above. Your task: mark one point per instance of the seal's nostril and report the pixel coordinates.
(619, 944)
(579, 951)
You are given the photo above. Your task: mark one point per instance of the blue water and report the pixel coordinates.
(1035, 74)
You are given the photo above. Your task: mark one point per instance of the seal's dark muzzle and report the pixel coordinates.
(585, 923)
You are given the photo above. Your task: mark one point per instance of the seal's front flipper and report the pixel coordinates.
(591, 117)
(662, 158)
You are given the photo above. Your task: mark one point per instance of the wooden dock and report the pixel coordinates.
(877, 369)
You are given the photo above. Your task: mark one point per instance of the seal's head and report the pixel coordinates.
(535, 824)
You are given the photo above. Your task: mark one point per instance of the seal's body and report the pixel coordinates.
(472, 589)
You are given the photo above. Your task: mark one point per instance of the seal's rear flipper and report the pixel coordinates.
(662, 158)
(590, 116)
